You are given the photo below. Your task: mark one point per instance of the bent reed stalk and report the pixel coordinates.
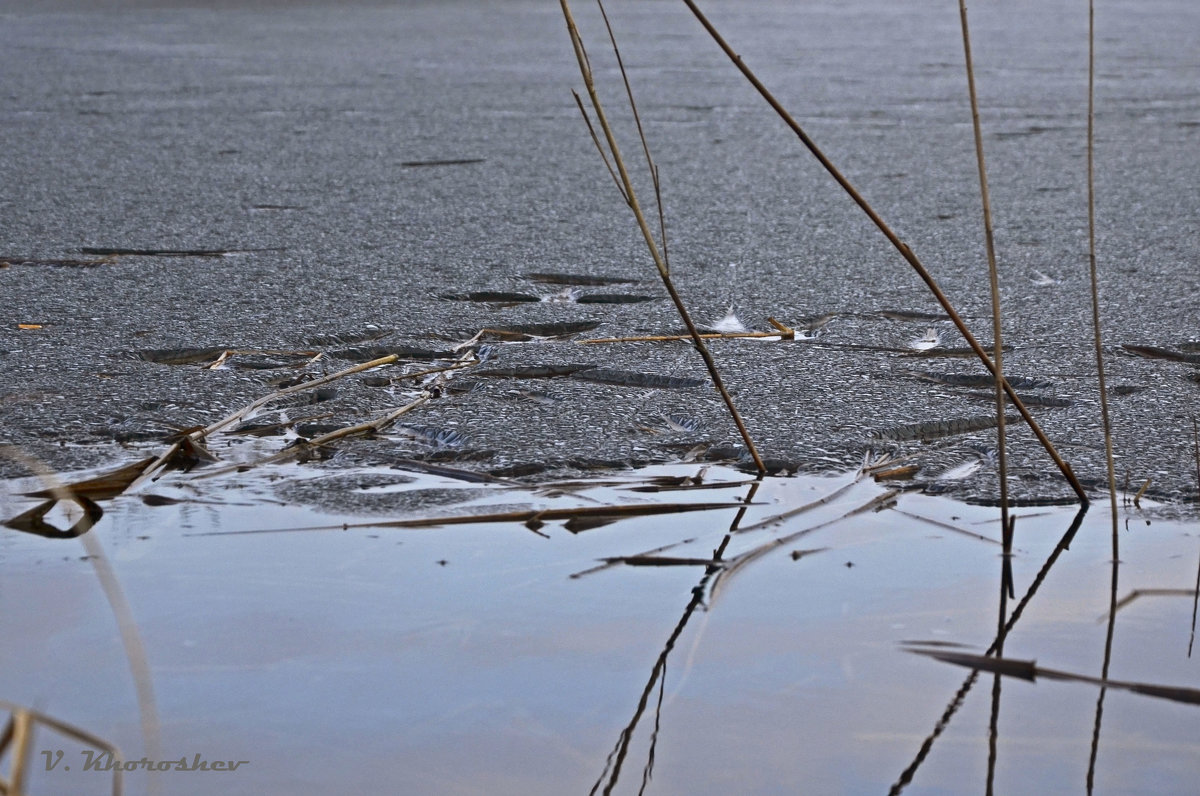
(625, 185)
(900, 246)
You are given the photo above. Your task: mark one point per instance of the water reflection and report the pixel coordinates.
(996, 647)
(449, 659)
(616, 758)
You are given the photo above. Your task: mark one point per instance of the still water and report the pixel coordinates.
(525, 658)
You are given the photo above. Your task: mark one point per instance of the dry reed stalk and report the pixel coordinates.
(900, 246)
(19, 734)
(1091, 202)
(199, 435)
(994, 284)
(630, 196)
(367, 427)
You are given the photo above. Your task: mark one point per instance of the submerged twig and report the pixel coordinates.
(900, 246)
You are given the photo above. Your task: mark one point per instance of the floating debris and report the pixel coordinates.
(105, 486)
(904, 472)
(1040, 279)
(932, 339)
(580, 515)
(730, 324)
(216, 357)
(1029, 670)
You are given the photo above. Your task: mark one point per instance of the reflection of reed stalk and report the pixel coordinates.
(1091, 202)
(625, 186)
(900, 246)
(994, 282)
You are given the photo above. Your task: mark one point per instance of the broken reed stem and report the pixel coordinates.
(308, 385)
(900, 246)
(1091, 203)
(198, 436)
(316, 442)
(994, 284)
(655, 252)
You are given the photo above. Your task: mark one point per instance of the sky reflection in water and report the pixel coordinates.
(465, 659)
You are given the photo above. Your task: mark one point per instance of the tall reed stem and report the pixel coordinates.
(900, 246)
(630, 196)
(994, 283)
(1091, 201)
